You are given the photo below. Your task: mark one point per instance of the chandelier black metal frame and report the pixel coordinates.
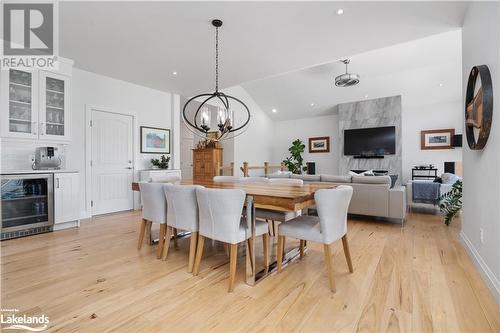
(225, 114)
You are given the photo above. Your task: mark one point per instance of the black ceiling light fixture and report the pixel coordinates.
(201, 122)
(346, 79)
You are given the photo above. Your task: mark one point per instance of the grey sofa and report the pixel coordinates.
(372, 195)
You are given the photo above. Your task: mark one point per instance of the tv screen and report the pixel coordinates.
(370, 141)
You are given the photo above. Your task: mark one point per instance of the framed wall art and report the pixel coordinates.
(319, 144)
(437, 139)
(155, 140)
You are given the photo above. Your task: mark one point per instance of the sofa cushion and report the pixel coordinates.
(307, 178)
(371, 180)
(336, 179)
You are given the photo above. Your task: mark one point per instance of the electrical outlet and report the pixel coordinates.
(481, 235)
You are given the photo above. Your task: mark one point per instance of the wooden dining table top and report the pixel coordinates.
(280, 197)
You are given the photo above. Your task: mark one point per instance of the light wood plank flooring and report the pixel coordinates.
(414, 279)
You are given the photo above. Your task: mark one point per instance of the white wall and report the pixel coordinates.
(253, 146)
(152, 108)
(288, 130)
(481, 45)
(420, 116)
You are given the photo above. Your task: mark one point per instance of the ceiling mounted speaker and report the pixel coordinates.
(346, 79)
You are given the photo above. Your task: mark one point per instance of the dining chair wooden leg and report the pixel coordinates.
(302, 246)
(329, 268)
(250, 249)
(192, 251)
(142, 232)
(199, 254)
(175, 238)
(149, 236)
(283, 253)
(279, 256)
(265, 246)
(226, 248)
(166, 246)
(161, 240)
(233, 258)
(347, 253)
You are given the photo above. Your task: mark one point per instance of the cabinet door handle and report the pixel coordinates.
(130, 168)
(57, 182)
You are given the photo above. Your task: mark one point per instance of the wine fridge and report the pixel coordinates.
(27, 205)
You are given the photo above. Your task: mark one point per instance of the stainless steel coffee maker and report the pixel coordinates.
(47, 158)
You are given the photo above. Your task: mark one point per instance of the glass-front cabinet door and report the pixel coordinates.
(54, 106)
(19, 104)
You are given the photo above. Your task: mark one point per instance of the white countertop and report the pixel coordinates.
(24, 172)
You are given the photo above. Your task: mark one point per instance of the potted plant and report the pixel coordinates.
(450, 203)
(295, 162)
(161, 163)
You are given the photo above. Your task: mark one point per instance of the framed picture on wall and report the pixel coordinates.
(319, 144)
(437, 139)
(155, 140)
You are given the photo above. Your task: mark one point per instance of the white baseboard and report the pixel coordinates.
(486, 273)
(66, 225)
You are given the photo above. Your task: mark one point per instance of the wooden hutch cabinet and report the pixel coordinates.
(205, 162)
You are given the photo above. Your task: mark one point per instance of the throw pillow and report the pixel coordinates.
(438, 180)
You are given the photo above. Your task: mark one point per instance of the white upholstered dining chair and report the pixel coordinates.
(226, 179)
(220, 219)
(329, 226)
(254, 180)
(154, 210)
(276, 216)
(182, 214)
(164, 178)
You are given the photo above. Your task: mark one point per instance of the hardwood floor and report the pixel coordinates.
(93, 279)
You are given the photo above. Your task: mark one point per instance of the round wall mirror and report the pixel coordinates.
(478, 107)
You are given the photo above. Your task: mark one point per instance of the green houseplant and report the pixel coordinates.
(161, 163)
(295, 162)
(450, 203)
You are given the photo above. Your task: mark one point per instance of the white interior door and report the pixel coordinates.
(186, 153)
(112, 162)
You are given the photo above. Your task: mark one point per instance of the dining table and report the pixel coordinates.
(280, 197)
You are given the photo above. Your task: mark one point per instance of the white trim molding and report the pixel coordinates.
(485, 272)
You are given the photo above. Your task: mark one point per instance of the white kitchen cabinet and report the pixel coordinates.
(54, 101)
(19, 96)
(35, 105)
(66, 197)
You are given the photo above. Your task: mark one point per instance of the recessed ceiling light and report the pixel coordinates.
(174, 73)
(274, 110)
(340, 11)
(441, 84)
(312, 104)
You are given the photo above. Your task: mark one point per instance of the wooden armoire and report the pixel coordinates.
(205, 162)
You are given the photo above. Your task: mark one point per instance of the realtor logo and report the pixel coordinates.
(29, 35)
(28, 29)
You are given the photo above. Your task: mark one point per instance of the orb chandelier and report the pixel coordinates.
(201, 122)
(346, 79)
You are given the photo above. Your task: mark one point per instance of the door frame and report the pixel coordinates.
(88, 150)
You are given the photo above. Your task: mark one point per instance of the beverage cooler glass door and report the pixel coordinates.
(27, 204)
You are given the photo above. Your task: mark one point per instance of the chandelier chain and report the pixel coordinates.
(216, 59)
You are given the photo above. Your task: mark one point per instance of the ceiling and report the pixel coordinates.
(425, 71)
(145, 42)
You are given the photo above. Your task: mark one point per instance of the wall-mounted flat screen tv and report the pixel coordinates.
(376, 141)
